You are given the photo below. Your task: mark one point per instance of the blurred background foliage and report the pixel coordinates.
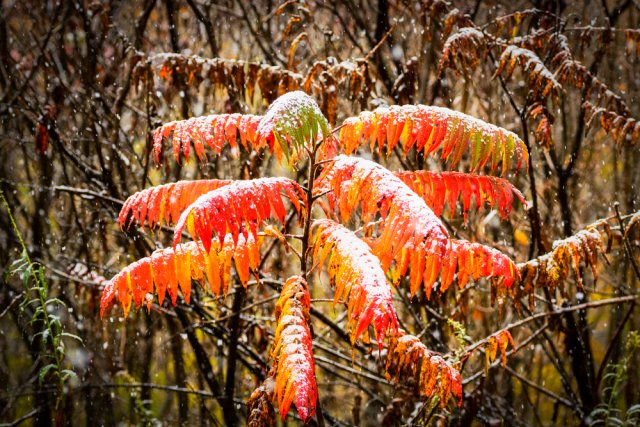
(84, 83)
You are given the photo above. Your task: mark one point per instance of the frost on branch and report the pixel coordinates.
(409, 360)
(292, 352)
(213, 130)
(437, 188)
(431, 128)
(356, 274)
(409, 234)
(236, 208)
(165, 203)
(170, 269)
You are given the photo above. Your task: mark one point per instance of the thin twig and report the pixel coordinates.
(541, 389)
(587, 305)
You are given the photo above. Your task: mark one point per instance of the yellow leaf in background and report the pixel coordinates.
(521, 237)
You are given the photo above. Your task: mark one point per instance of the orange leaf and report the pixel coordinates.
(498, 341)
(406, 218)
(292, 351)
(432, 128)
(165, 202)
(235, 207)
(358, 279)
(432, 186)
(410, 234)
(408, 358)
(169, 268)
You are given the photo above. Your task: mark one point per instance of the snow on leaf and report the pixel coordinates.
(358, 278)
(167, 270)
(437, 188)
(552, 268)
(541, 81)
(635, 220)
(165, 202)
(410, 234)
(236, 208)
(354, 182)
(463, 50)
(292, 352)
(409, 359)
(212, 130)
(259, 409)
(294, 121)
(430, 128)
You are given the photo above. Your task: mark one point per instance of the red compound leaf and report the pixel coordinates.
(165, 203)
(352, 182)
(436, 188)
(170, 269)
(213, 130)
(409, 359)
(410, 234)
(431, 128)
(294, 121)
(425, 261)
(292, 351)
(236, 208)
(358, 278)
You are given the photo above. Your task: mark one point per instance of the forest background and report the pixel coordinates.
(83, 85)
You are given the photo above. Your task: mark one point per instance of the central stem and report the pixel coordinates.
(309, 206)
(306, 242)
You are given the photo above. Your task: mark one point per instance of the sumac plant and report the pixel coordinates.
(370, 229)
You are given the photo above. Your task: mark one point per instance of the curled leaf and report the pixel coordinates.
(622, 129)
(498, 341)
(541, 81)
(635, 219)
(259, 409)
(463, 50)
(551, 269)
